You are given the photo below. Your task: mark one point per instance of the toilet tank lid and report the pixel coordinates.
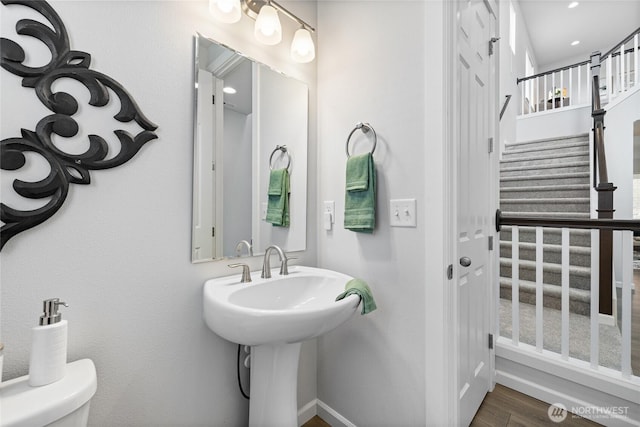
(55, 400)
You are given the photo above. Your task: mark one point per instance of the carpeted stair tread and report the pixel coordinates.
(545, 166)
(534, 188)
(548, 247)
(550, 200)
(511, 157)
(534, 177)
(558, 140)
(546, 266)
(546, 149)
(547, 289)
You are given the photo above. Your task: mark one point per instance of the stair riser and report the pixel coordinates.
(521, 160)
(556, 142)
(539, 171)
(550, 236)
(527, 180)
(555, 150)
(549, 256)
(509, 206)
(559, 193)
(577, 281)
(550, 301)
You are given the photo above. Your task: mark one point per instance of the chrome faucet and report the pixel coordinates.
(240, 245)
(266, 266)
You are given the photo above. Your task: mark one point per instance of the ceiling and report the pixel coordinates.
(598, 24)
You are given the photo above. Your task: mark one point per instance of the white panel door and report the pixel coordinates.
(474, 27)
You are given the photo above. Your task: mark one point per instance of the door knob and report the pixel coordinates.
(465, 261)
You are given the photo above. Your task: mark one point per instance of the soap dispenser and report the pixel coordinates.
(48, 359)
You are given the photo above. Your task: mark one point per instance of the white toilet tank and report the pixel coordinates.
(64, 403)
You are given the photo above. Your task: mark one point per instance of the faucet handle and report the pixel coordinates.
(246, 273)
(284, 266)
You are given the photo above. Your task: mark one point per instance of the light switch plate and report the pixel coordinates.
(403, 212)
(330, 206)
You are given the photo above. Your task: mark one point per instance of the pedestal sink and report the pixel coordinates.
(274, 316)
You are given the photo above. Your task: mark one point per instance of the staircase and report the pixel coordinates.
(547, 178)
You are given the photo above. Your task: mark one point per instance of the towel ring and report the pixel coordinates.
(365, 127)
(282, 148)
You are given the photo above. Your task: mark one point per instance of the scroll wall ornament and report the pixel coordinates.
(65, 168)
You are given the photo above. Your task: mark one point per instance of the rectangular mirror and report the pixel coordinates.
(243, 111)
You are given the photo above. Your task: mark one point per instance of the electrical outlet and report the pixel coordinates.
(263, 211)
(403, 212)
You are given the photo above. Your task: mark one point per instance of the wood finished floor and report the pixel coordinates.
(504, 407)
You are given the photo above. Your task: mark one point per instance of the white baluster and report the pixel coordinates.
(580, 83)
(539, 289)
(635, 60)
(561, 101)
(609, 66)
(565, 294)
(515, 285)
(553, 90)
(522, 96)
(627, 270)
(595, 298)
(571, 96)
(544, 94)
(621, 87)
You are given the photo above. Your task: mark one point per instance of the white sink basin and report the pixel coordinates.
(283, 309)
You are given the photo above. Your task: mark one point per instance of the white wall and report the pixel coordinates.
(512, 67)
(119, 249)
(565, 122)
(385, 368)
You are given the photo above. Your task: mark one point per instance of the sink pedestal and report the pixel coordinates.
(274, 384)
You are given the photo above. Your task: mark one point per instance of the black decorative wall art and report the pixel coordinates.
(65, 168)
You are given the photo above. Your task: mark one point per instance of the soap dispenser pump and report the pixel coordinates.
(48, 360)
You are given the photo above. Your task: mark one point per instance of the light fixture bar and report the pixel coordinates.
(291, 15)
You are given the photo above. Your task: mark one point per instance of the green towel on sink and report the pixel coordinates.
(278, 203)
(360, 287)
(360, 194)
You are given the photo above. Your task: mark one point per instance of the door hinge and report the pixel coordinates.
(490, 341)
(491, 42)
(490, 145)
(213, 166)
(450, 272)
(490, 243)
(213, 99)
(213, 232)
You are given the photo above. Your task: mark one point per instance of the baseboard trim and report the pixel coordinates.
(324, 411)
(307, 412)
(606, 401)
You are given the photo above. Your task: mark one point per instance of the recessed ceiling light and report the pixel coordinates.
(573, 4)
(229, 90)
(575, 42)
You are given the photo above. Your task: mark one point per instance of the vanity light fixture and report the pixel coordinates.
(267, 29)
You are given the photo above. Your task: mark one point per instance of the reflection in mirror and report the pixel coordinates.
(243, 111)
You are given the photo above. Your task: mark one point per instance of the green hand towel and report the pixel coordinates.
(278, 203)
(360, 194)
(360, 287)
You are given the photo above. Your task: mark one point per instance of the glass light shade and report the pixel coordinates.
(268, 29)
(302, 47)
(227, 11)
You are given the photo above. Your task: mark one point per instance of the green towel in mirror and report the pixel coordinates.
(360, 287)
(360, 194)
(278, 203)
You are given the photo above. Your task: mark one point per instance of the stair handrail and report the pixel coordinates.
(624, 41)
(556, 70)
(579, 223)
(600, 174)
